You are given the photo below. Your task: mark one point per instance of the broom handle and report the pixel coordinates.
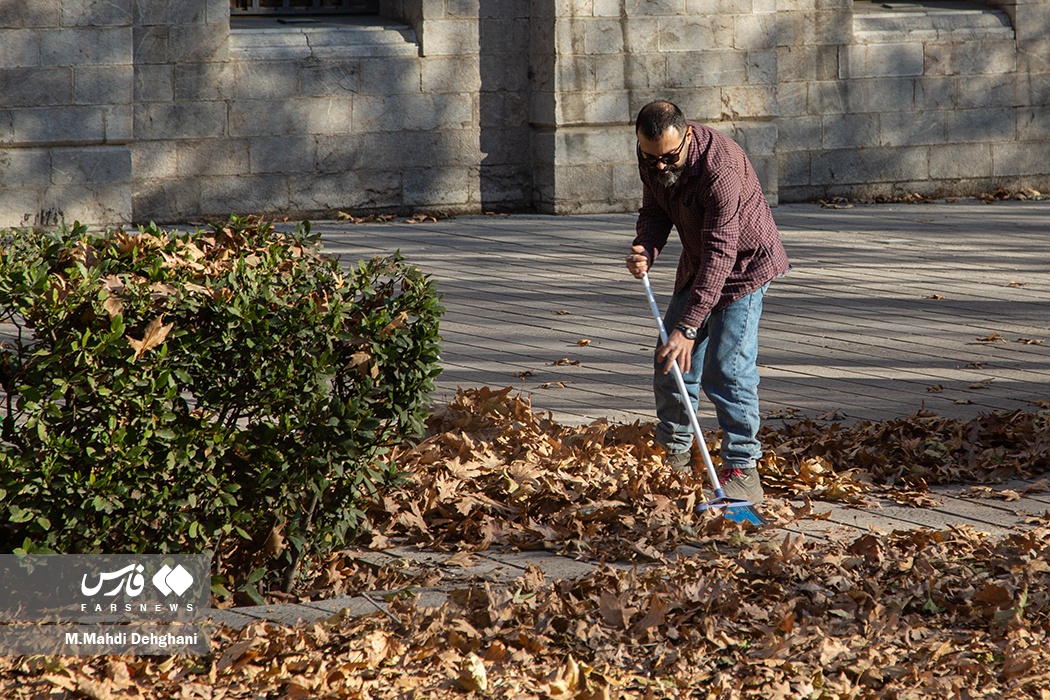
(697, 433)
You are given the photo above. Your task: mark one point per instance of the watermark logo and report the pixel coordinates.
(169, 580)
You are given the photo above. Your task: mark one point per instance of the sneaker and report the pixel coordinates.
(743, 484)
(681, 462)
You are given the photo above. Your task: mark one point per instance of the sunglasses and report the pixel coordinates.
(669, 158)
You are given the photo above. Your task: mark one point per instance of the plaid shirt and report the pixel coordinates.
(730, 243)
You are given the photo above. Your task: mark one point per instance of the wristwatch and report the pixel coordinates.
(689, 333)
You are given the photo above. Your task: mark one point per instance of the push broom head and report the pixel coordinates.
(736, 509)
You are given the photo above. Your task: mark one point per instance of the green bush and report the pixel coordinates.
(228, 390)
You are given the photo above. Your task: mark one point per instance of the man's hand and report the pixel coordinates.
(637, 261)
(678, 349)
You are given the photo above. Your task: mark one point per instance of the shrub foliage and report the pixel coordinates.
(229, 390)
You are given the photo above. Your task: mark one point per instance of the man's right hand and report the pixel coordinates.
(637, 261)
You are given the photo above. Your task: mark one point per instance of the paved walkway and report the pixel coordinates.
(889, 309)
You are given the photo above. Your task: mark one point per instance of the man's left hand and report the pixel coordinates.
(678, 349)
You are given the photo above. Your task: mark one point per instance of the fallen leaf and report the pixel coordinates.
(993, 338)
(155, 334)
(583, 342)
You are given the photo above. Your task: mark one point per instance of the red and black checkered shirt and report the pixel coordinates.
(730, 243)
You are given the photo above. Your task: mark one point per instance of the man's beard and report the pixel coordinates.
(670, 176)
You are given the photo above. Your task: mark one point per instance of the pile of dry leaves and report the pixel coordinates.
(952, 614)
(912, 615)
(495, 473)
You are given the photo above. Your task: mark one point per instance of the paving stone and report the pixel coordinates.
(285, 613)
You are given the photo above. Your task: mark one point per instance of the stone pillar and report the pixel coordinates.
(595, 63)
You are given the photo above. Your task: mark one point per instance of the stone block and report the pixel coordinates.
(441, 74)
(59, 124)
(412, 112)
(937, 93)
(266, 80)
(594, 107)
(150, 46)
(217, 12)
(97, 13)
(450, 37)
(758, 139)
(951, 161)
(850, 131)
(698, 104)
(591, 73)
(635, 8)
(86, 45)
(608, 8)
(209, 157)
(800, 133)
(119, 122)
(36, 87)
(1033, 124)
(435, 187)
(247, 194)
(290, 154)
(923, 127)
(154, 160)
(173, 201)
(104, 85)
(19, 48)
(879, 95)
(180, 120)
(981, 125)
(869, 165)
(970, 58)
(594, 145)
(754, 31)
(645, 71)
(396, 76)
(24, 167)
(501, 188)
(592, 36)
(101, 204)
(165, 12)
(502, 112)
(707, 69)
(762, 67)
(793, 99)
(90, 165)
(691, 33)
(23, 206)
(1022, 158)
(991, 91)
(881, 60)
(807, 63)
(748, 102)
(793, 168)
(199, 43)
(640, 35)
(40, 13)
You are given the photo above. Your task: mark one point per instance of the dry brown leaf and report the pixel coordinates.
(155, 334)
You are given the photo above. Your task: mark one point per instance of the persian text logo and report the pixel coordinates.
(131, 580)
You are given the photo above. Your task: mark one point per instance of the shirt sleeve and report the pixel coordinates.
(653, 225)
(720, 236)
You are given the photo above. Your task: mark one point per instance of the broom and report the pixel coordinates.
(736, 509)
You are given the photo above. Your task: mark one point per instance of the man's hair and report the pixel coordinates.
(656, 118)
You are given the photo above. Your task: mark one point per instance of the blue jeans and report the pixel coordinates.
(724, 365)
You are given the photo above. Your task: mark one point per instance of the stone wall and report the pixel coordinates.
(927, 100)
(131, 110)
(66, 75)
